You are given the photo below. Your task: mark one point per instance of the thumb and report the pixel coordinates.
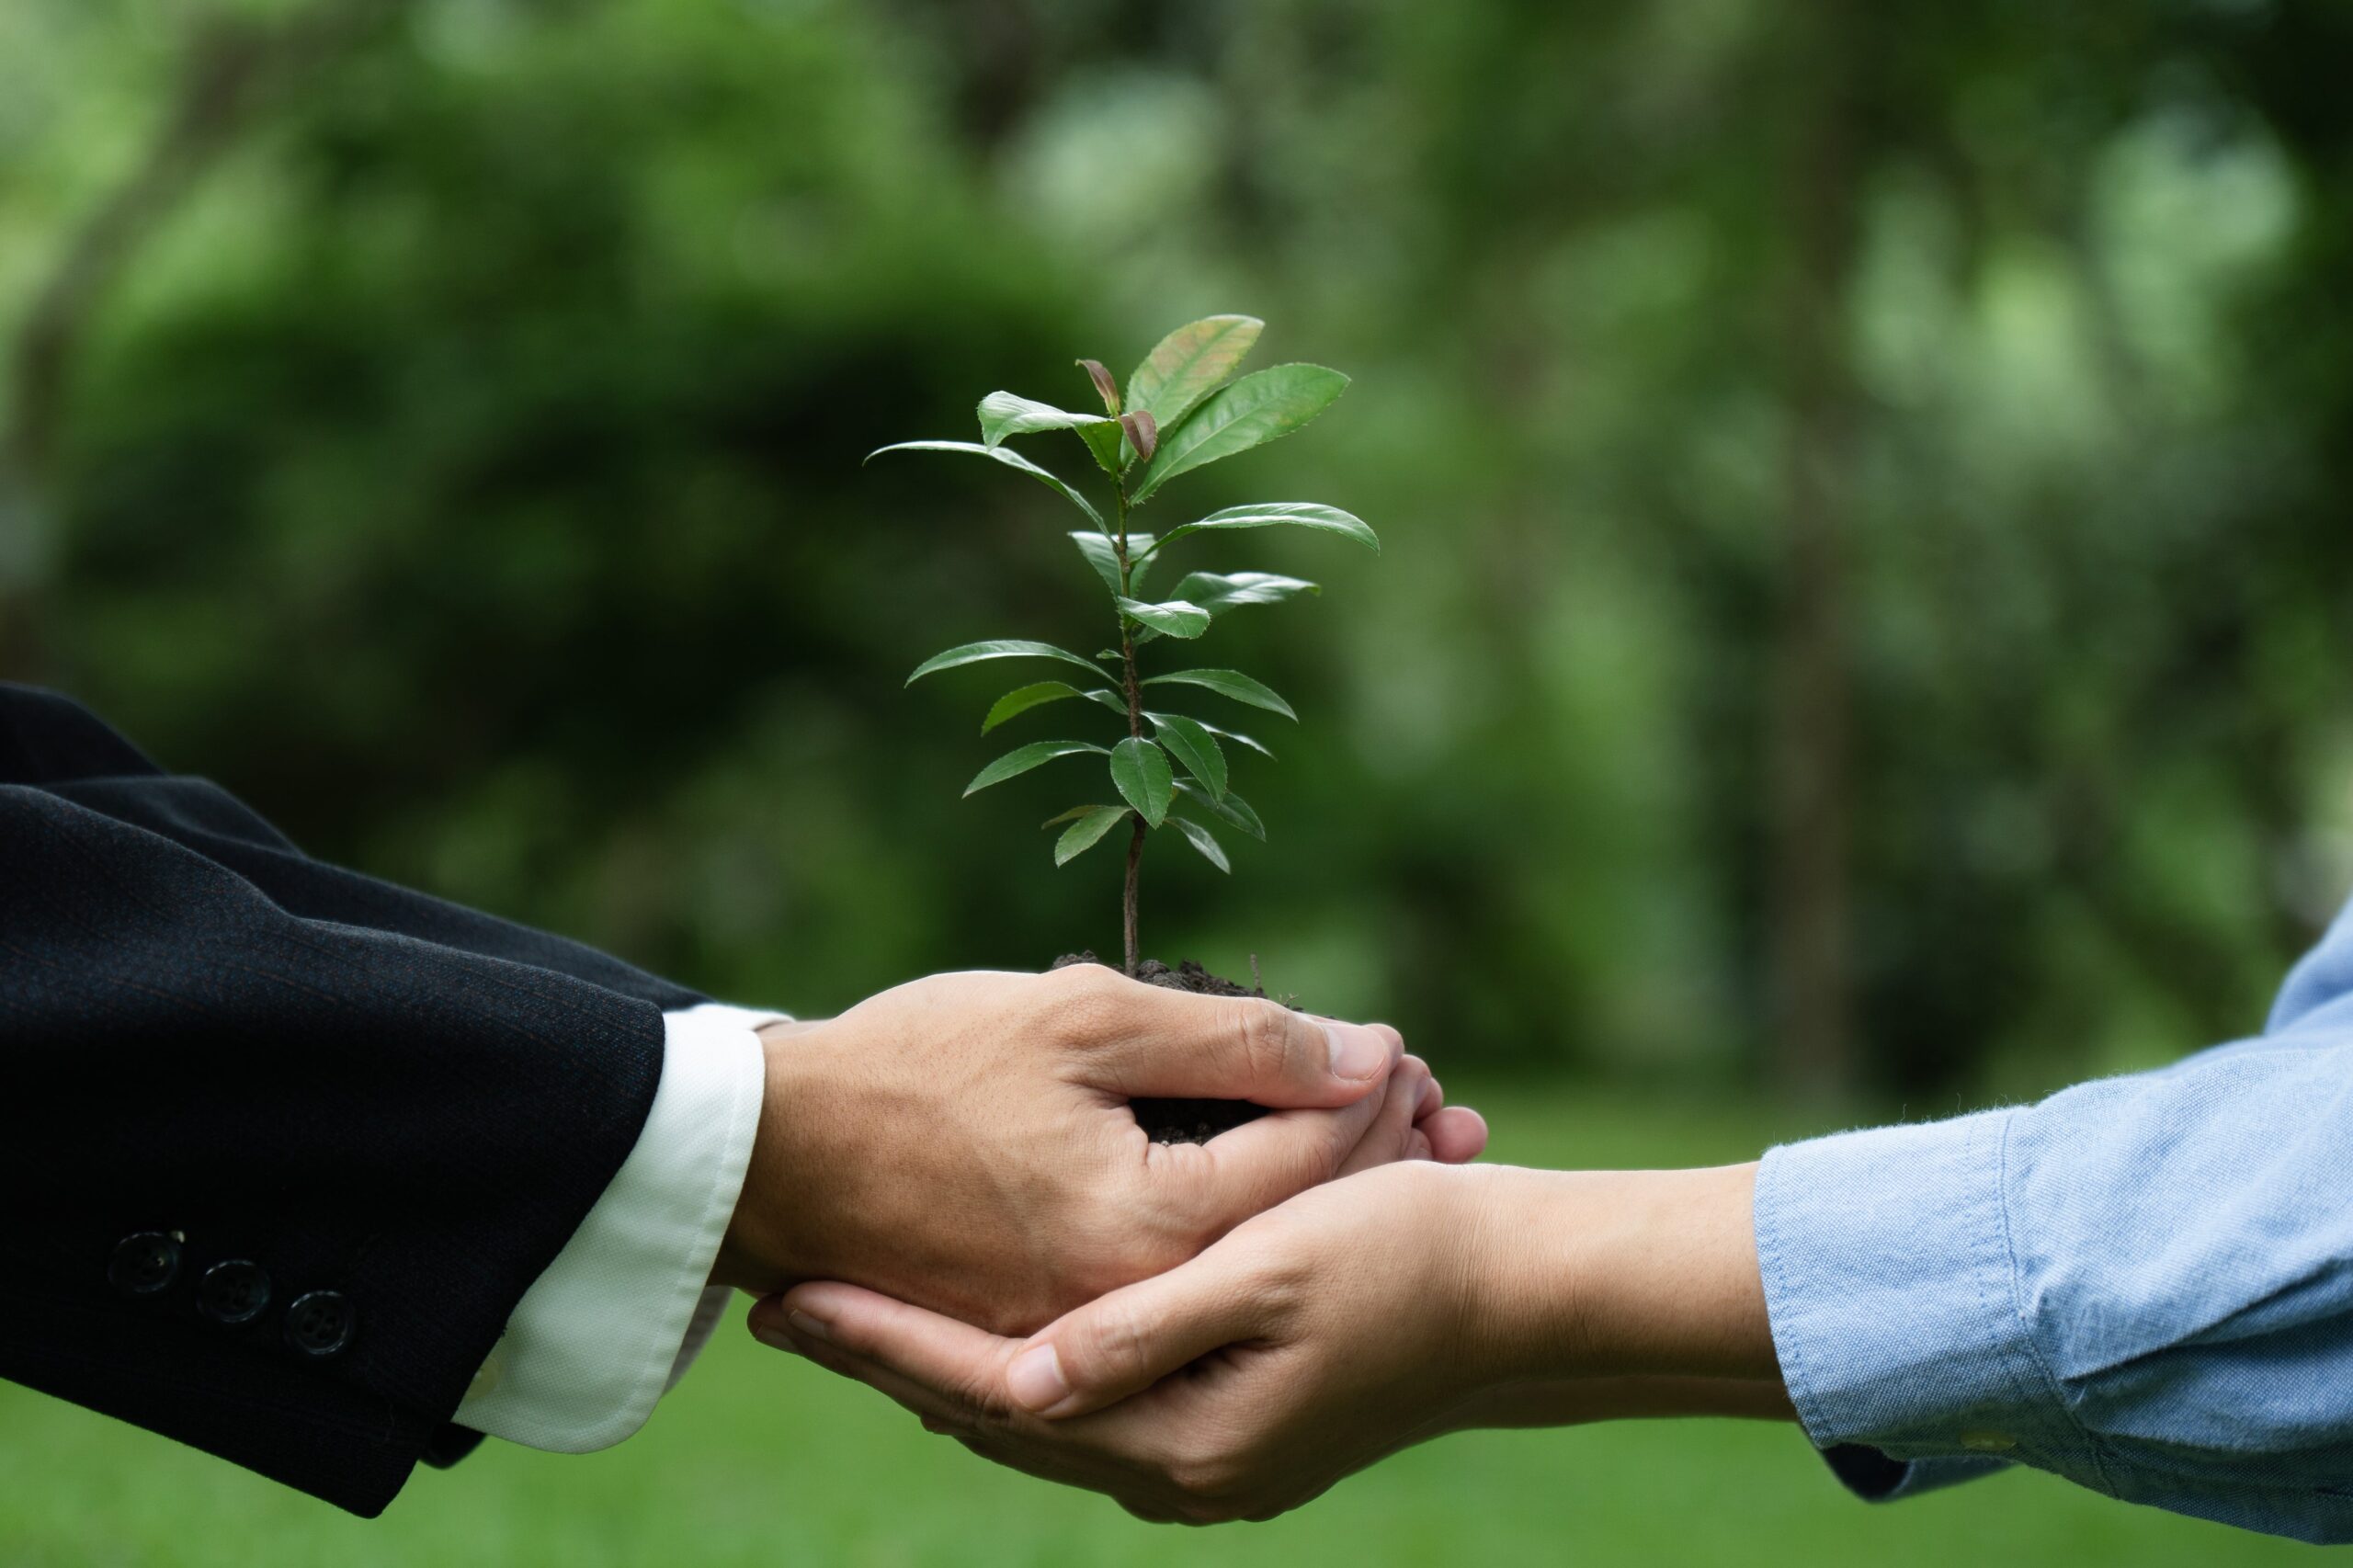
(1124, 1343)
(1150, 1041)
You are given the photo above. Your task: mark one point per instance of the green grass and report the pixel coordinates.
(760, 1459)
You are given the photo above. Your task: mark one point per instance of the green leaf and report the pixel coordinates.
(1218, 592)
(1175, 617)
(1272, 513)
(1260, 407)
(1002, 648)
(1004, 455)
(1004, 414)
(1203, 840)
(1087, 826)
(1021, 759)
(1101, 555)
(1104, 440)
(1144, 779)
(1227, 683)
(1240, 740)
(1234, 808)
(1017, 702)
(1185, 366)
(1023, 698)
(1191, 744)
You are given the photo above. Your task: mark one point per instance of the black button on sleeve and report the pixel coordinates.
(144, 1264)
(320, 1323)
(233, 1293)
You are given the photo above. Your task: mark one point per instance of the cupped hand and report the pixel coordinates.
(964, 1141)
(1355, 1320)
(1311, 1341)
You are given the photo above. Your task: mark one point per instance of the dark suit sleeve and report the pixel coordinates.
(282, 1145)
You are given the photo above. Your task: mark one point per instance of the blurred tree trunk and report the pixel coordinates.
(232, 67)
(1809, 903)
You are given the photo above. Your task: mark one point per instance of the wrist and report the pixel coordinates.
(764, 1251)
(1627, 1274)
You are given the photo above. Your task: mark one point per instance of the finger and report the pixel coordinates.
(929, 1364)
(938, 1414)
(1456, 1134)
(955, 1364)
(1393, 1135)
(1122, 1342)
(1104, 1453)
(773, 1326)
(1433, 1095)
(1144, 1039)
(1451, 1135)
(1216, 1186)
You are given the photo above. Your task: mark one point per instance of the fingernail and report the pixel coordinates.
(773, 1337)
(809, 1325)
(1357, 1053)
(1035, 1379)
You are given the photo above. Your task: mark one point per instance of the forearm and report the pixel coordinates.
(1601, 1294)
(1622, 1272)
(1577, 1401)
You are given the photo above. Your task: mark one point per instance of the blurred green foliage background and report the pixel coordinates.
(1863, 616)
(1864, 601)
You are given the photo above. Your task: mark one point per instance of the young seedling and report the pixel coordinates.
(1180, 412)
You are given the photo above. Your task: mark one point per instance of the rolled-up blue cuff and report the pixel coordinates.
(1889, 1281)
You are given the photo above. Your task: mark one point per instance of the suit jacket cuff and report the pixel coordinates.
(624, 1308)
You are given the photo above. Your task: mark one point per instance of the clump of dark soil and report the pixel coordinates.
(1185, 1121)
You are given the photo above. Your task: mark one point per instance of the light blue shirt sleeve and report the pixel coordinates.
(2143, 1284)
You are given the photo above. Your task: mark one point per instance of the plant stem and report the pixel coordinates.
(1128, 903)
(1135, 732)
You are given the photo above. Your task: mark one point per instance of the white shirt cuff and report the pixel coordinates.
(622, 1311)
